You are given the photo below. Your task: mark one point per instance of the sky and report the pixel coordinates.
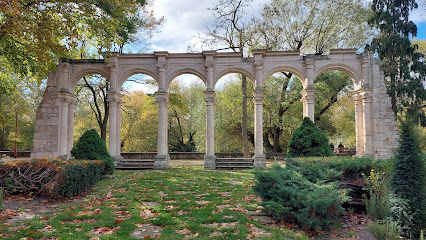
(186, 19)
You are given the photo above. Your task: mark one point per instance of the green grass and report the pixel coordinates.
(184, 202)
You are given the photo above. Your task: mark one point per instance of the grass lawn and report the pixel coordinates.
(180, 203)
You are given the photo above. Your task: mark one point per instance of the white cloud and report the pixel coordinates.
(185, 19)
(419, 14)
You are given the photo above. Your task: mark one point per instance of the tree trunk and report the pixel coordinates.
(277, 133)
(246, 151)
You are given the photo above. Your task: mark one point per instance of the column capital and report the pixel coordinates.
(363, 94)
(209, 65)
(209, 96)
(161, 66)
(258, 96)
(113, 96)
(162, 97)
(308, 92)
(65, 96)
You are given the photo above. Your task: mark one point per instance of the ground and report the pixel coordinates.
(182, 203)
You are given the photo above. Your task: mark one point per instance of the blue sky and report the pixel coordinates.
(185, 19)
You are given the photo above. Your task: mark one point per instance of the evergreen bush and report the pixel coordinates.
(309, 141)
(91, 147)
(288, 195)
(408, 185)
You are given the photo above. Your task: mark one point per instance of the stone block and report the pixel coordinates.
(209, 162)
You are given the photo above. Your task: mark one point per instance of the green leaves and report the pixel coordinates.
(404, 68)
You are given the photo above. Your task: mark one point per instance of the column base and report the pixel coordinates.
(162, 162)
(209, 162)
(117, 160)
(260, 161)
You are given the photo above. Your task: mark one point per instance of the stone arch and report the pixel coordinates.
(182, 71)
(348, 70)
(282, 68)
(239, 70)
(125, 75)
(75, 77)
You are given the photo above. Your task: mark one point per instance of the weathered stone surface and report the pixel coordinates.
(377, 131)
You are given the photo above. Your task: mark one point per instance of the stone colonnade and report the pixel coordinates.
(370, 99)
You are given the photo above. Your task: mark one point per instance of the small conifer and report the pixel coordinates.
(309, 141)
(408, 185)
(91, 147)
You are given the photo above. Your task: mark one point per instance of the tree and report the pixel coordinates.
(404, 67)
(311, 27)
(139, 122)
(24, 100)
(309, 141)
(230, 29)
(228, 110)
(91, 147)
(35, 34)
(92, 90)
(408, 193)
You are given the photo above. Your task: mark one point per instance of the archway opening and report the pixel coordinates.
(229, 114)
(335, 108)
(282, 110)
(139, 114)
(187, 114)
(91, 107)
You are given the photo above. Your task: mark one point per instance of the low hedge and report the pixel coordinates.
(332, 168)
(56, 178)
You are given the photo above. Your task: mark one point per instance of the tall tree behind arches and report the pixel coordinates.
(230, 29)
(311, 27)
(403, 66)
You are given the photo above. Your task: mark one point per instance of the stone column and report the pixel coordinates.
(113, 65)
(359, 129)
(259, 157)
(308, 98)
(112, 146)
(118, 134)
(70, 131)
(64, 99)
(162, 160)
(114, 106)
(209, 158)
(367, 122)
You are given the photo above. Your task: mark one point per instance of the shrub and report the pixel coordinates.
(332, 168)
(384, 231)
(288, 195)
(309, 141)
(91, 147)
(377, 204)
(407, 185)
(56, 178)
(1, 199)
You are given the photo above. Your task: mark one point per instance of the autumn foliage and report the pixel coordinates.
(56, 178)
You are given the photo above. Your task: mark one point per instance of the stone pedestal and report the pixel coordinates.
(209, 162)
(162, 162)
(260, 161)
